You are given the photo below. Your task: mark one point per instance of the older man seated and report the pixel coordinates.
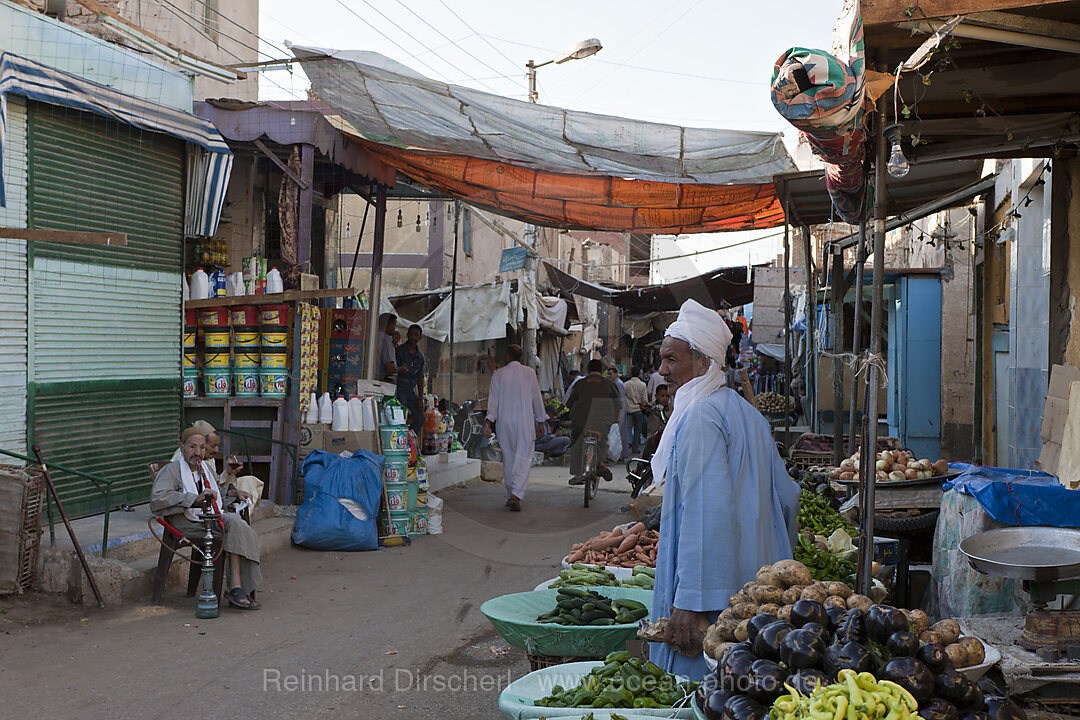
(250, 484)
(181, 489)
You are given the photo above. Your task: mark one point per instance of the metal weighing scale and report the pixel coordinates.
(1047, 560)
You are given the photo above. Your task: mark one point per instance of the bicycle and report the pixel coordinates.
(590, 464)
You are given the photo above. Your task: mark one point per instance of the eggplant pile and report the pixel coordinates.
(815, 645)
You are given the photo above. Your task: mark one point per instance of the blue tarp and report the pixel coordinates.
(1018, 497)
(341, 500)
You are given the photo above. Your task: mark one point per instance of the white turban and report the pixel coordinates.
(702, 329)
(705, 331)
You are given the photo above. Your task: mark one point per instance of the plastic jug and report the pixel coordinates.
(312, 415)
(185, 290)
(273, 281)
(369, 413)
(326, 412)
(200, 285)
(340, 421)
(356, 414)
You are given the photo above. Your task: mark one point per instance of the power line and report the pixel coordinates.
(633, 67)
(638, 51)
(403, 31)
(445, 36)
(202, 27)
(672, 257)
(364, 20)
(182, 15)
(229, 20)
(481, 36)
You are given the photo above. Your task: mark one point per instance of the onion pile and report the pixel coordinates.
(891, 466)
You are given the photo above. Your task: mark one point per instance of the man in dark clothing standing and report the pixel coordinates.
(410, 378)
(594, 405)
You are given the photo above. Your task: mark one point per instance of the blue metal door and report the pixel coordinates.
(919, 374)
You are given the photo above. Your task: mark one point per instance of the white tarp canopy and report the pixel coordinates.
(480, 313)
(549, 165)
(389, 103)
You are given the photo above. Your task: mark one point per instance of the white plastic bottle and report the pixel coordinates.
(368, 413)
(200, 285)
(341, 415)
(326, 412)
(356, 414)
(312, 416)
(274, 283)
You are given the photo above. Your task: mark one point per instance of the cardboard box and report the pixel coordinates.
(350, 441)
(311, 437)
(1055, 416)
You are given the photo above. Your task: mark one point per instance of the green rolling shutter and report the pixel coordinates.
(105, 321)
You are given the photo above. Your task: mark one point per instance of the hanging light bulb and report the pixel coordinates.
(417, 222)
(400, 220)
(898, 165)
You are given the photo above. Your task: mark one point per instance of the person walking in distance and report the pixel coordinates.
(516, 411)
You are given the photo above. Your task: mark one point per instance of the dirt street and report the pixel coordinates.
(392, 633)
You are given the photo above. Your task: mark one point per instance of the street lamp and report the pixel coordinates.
(580, 50)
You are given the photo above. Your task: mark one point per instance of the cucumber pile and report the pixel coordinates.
(583, 575)
(574, 606)
(643, 577)
(622, 682)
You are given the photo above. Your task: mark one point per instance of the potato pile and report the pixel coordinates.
(773, 403)
(776, 588)
(891, 466)
(962, 651)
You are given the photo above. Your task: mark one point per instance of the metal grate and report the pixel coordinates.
(23, 495)
(30, 533)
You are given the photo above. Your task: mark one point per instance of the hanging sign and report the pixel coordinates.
(513, 259)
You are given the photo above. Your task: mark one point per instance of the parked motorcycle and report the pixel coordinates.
(639, 470)
(469, 426)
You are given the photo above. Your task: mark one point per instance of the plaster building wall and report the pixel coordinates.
(224, 33)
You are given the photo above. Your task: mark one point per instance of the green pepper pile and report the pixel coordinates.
(823, 565)
(818, 517)
(574, 606)
(583, 575)
(623, 682)
(853, 697)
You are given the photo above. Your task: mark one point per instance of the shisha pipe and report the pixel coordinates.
(207, 606)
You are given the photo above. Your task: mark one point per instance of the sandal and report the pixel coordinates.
(238, 599)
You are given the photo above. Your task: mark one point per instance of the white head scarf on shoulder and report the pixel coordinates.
(705, 331)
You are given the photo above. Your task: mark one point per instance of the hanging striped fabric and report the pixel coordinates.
(824, 97)
(208, 179)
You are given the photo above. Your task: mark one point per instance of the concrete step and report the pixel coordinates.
(446, 474)
(126, 576)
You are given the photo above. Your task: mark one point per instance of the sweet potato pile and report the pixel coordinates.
(635, 546)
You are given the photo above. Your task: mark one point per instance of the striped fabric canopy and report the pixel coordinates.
(209, 164)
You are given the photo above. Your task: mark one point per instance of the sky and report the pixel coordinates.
(699, 63)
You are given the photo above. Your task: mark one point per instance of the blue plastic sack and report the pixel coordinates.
(1018, 497)
(341, 500)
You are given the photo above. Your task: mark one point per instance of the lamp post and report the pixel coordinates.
(580, 50)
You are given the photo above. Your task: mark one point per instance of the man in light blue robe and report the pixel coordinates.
(729, 506)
